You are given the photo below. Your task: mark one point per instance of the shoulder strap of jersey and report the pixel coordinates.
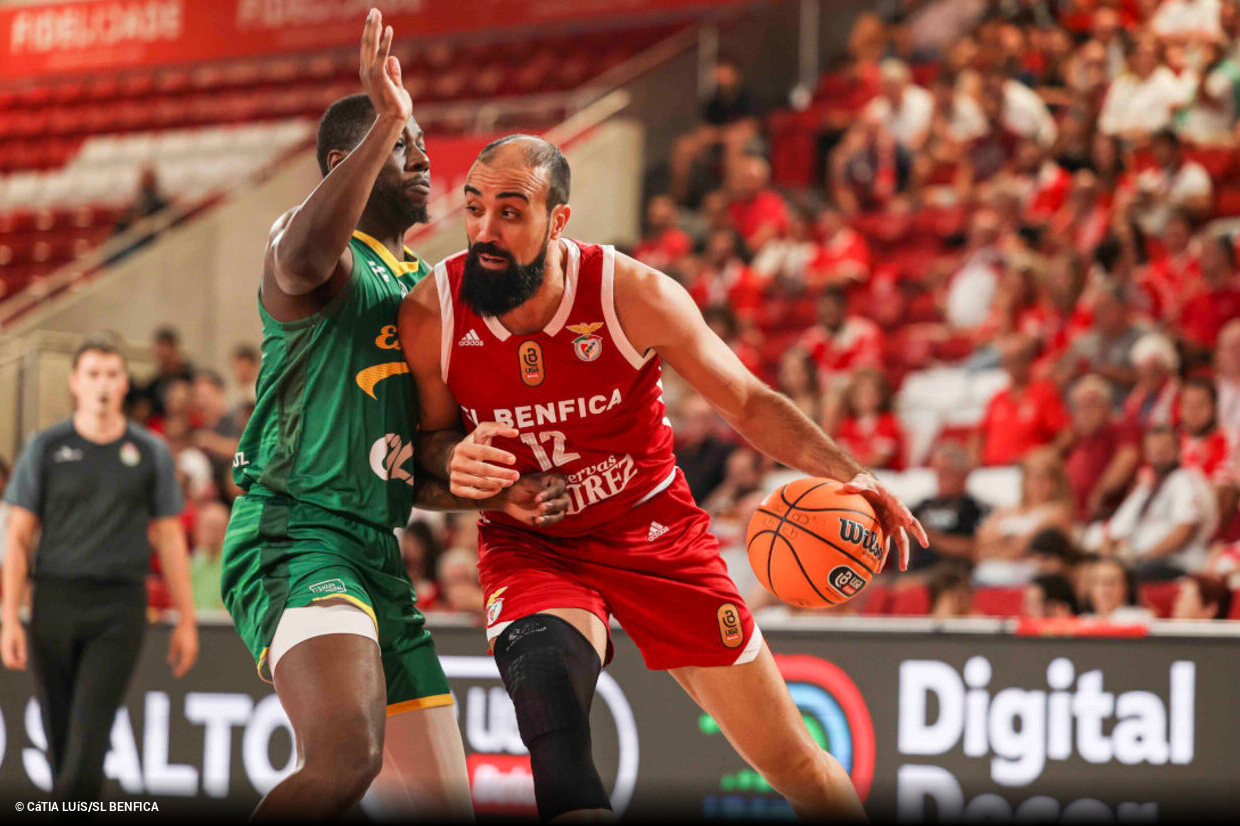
(608, 285)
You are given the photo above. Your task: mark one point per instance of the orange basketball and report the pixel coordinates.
(813, 546)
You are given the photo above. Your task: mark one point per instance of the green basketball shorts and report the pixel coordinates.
(281, 554)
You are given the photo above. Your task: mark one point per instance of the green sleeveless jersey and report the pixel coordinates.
(337, 409)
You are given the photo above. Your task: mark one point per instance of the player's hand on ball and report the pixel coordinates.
(380, 71)
(538, 499)
(183, 648)
(476, 470)
(13, 646)
(895, 518)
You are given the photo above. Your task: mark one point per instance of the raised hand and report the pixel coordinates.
(380, 71)
(891, 512)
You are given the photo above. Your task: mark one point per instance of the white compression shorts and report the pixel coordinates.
(300, 624)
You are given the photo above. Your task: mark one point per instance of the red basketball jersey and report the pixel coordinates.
(586, 404)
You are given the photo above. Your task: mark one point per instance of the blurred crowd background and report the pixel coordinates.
(993, 254)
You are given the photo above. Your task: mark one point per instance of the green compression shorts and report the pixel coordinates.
(281, 554)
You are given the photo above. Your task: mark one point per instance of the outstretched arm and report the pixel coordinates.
(308, 247)
(657, 313)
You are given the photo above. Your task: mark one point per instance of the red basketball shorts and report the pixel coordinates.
(657, 570)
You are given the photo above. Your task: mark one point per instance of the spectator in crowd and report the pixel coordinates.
(664, 243)
(245, 361)
(1052, 552)
(1143, 99)
(841, 342)
(701, 454)
(1003, 539)
(206, 559)
(972, 287)
(1026, 414)
(1163, 527)
(1185, 21)
(1201, 597)
(842, 255)
(1211, 117)
(458, 579)
(217, 434)
(1101, 454)
(1174, 182)
(1215, 302)
(170, 365)
(1049, 596)
(868, 167)
(1155, 399)
(420, 550)
(1112, 594)
(952, 516)
(798, 380)
(1227, 376)
(1105, 347)
(757, 211)
(1173, 275)
(902, 107)
(951, 593)
(869, 430)
(148, 200)
(741, 489)
(725, 279)
(1204, 446)
(728, 124)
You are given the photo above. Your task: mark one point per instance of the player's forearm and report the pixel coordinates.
(174, 562)
(431, 493)
(1172, 542)
(15, 575)
(317, 234)
(433, 451)
(778, 428)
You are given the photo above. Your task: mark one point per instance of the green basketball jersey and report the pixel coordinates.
(337, 409)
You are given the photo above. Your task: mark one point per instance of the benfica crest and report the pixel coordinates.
(587, 345)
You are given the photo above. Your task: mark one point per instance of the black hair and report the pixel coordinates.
(1054, 543)
(246, 351)
(539, 154)
(1056, 588)
(166, 335)
(1166, 135)
(343, 126)
(96, 344)
(948, 575)
(211, 376)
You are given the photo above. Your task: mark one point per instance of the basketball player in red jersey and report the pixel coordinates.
(549, 350)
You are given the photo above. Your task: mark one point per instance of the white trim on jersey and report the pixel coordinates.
(609, 312)
(558, 320)
(750, 652)
(659, 488)
(446, 322)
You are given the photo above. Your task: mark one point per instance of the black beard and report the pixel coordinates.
(494, 293)
(392, 202)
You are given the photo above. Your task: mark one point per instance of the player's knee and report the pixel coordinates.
(345, 770)
(549, 670)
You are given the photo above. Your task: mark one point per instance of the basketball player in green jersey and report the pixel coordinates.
(313, 576)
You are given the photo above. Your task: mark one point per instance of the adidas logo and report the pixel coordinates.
(470, 339)
(656, 530)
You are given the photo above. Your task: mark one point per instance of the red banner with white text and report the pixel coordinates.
(42, 39)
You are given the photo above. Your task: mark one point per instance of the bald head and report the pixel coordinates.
(535, 154)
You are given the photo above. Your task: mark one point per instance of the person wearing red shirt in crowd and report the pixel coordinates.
(870, 431)
(741, 334)
(1101, 455)
(1047, 182)
(1203, 444)
(1085, 216)
(842, 255)
(1155, 400)
(665, 242)
(1215, 303)
(841, 343)
(758, 212)
(1176, 273)
(1026, 414)
(725, 278)
(798, 380)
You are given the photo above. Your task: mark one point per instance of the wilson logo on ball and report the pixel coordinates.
(845, 580)
(863, 537)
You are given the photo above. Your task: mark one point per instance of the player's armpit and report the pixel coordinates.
(285, 295)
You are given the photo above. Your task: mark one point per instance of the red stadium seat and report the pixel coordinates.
(1159, 597)
(909, 600)
(999, 602)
